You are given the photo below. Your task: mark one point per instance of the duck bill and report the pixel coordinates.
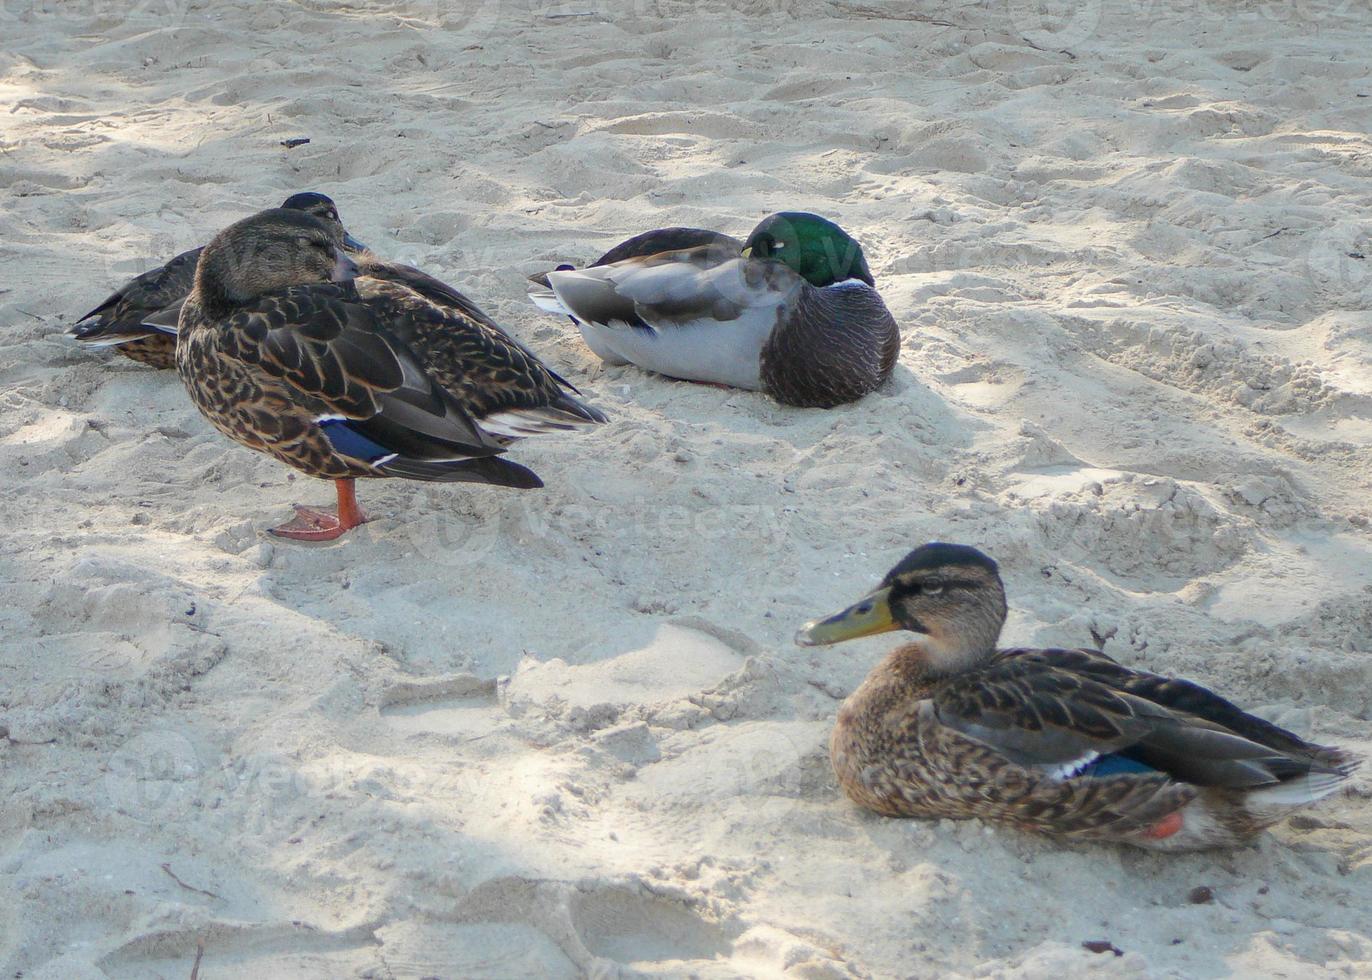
(352, 244)
(866, 617)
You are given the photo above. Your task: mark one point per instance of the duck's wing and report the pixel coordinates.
(132, 311)
(441, 294)
(672, 240)
(165, 320)
(498, 381)
(1043, 714)
(718, 246)
(657, 242)
(1186, 697)
(433, 289)
(670, 290)
(367, 389)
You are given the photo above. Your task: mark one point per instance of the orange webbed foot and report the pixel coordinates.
(324, 523)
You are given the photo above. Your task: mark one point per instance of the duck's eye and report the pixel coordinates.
(931, 588)
(778, 246)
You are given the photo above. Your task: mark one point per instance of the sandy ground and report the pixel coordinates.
(566, 733)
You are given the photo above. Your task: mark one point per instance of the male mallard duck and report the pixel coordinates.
(1064, 742)
(140, 317)
(792, 312)
(285, 350)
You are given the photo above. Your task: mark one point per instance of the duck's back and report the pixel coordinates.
(493, 376)
(123, 313)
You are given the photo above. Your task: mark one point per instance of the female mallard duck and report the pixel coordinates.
(1064, 742)
(286, 351)
(140, 317)
(792, 311)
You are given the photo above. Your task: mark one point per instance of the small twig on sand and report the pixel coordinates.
(874, 13)
(199, 955)
(1039, 47)
(190, 888)
(575, 13)
(5, 734)
(295, 141)
(34, 315)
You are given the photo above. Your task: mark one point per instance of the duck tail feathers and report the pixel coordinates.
(489, 470)
(564, 414)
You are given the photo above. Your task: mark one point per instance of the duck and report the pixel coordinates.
(139, 318)
(1062, 742)
(286, 349)
(792, 311)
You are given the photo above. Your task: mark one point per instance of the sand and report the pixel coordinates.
(566, 733)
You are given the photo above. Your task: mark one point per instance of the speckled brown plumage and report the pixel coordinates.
(358, 378)
(125, 319)
(123, 313)
(470, 357)
(1062, 742)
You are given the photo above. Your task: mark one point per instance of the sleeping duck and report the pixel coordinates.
(793, 311)
(140, 317)
(287, 350)
(1064, 742)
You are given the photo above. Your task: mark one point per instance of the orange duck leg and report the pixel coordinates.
(322, 524)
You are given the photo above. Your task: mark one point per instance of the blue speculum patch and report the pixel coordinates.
(350, 442)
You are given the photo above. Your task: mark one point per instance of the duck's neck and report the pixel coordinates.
(947, 648)
(210, 294)
(926, 662)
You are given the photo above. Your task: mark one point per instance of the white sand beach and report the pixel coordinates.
(566, 732)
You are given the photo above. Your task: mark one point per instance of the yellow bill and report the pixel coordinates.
(866, 617)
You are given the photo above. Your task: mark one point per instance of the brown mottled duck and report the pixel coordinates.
(139, 318)
(1062, 742)
(286, 349)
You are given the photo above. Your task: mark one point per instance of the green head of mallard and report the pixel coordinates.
(818, 250)
(271, 250)
(949, 595)
(323, 208)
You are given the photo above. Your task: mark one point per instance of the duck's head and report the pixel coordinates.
(818, 250)
(323, 208)
(270, 251)
(949, 595)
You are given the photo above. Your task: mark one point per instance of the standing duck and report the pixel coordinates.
(285, 350)
(140, 317)
(1063, 742)
(793, 311)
